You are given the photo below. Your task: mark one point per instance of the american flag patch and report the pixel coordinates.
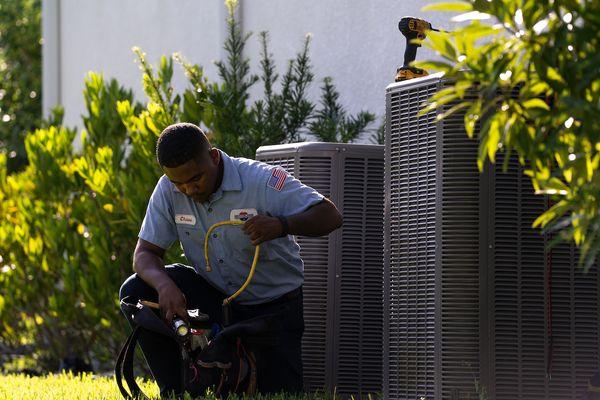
(277, 179)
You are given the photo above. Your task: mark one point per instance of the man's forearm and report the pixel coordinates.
(150, 268)
(148, 262)
(318, 220)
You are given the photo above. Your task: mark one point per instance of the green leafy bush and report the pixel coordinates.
(331, 124)
(283, 114)
(66, 235)
(547, 53)
(20, 76)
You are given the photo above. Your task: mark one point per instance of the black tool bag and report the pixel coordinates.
(226, 363)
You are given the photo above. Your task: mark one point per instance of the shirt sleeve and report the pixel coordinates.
(286, 195)
(158, 226)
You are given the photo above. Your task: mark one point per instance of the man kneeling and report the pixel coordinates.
(201, 186)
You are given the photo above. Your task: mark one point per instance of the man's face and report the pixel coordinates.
(196, 178)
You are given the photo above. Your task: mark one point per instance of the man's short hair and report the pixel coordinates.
(180, 143)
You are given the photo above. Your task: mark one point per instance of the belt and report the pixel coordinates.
(291, 295)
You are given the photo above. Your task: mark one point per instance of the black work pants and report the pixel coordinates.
(279, 367)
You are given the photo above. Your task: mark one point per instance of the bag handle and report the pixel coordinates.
(143, 318)
(124, 368)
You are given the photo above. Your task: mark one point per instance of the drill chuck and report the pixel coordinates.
(414, 27)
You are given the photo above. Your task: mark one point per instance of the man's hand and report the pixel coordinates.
(149, 265)
(172, 302)
(262, 228)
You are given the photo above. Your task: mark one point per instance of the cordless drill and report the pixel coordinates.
(412, 28)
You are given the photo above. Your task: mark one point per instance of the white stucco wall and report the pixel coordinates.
(356, 42)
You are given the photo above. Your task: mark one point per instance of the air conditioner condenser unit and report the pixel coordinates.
(473, 300)
(344, 271)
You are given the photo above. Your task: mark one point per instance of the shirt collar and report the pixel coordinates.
(231, 176)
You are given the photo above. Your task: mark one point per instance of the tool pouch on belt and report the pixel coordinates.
(227, 364)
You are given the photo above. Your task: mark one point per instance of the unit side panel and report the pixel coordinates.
(359, 353)
(460, 183)
(314, 253)
(518, 298)
(316, 173)
(411, 167)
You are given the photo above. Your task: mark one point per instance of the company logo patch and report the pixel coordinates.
(277, 179)
(184, 219)
(243, 214)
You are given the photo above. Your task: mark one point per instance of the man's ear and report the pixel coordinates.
(215, 156)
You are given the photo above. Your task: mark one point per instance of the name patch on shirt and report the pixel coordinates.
(184, 219)
(277, 179)
(243, 214)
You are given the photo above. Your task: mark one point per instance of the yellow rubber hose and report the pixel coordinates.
(252, 268)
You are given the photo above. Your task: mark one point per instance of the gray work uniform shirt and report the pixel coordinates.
(247, 187)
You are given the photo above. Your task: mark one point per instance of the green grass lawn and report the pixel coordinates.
(64, 386)
(90, 387)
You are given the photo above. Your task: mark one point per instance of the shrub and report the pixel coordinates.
(63, 253)
(20, 77)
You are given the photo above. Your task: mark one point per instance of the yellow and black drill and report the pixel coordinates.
(412, 28)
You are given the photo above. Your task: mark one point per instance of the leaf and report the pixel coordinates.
(440, 98)
(105, 323)
(591, 165)
(553, 213)
(554, 75)
(557, 185)
(537, 89)
(448, 6)
(442, 44)
(461, 87)
(471, 118)
(489, 140)
(433, 65)
(536, 103)
(472, 15)
(477, 30)
(452, 110)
